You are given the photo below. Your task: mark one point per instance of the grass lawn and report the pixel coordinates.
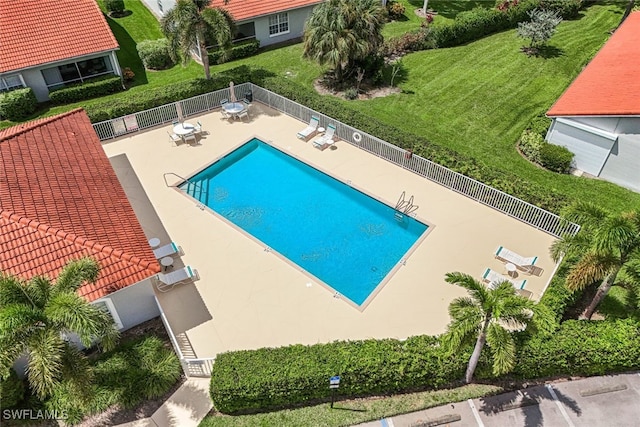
(353, 411)
(620, 303)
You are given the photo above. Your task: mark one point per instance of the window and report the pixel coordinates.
(107, 306)
(76, 72)
(278, 24)
(11, 82)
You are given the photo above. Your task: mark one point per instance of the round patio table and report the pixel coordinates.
(154, 242)
(511, 269)
(183, 129)
(233, 108)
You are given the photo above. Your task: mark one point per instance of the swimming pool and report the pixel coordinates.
(345, 238)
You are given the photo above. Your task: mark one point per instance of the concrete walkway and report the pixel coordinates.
(597, 401)
(185, 408)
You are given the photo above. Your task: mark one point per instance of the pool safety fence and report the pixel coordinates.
(482, 193)
(192, 367)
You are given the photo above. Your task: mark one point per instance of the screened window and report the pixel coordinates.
(11, 82)
(107, 306)
(278, 24)
(76, 72)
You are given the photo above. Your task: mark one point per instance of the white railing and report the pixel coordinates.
(191, 367)
(503, 202)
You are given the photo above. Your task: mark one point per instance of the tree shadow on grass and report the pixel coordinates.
(449, 9)
(548, 52)
(128, 54)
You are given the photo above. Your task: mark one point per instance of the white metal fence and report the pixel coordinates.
(191, 367)
(503, 202)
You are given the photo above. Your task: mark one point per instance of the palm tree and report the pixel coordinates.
(340, 32)
(191, 23)
(605, 244)
(37, 316)
(490, 315)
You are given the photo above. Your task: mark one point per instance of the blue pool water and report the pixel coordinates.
(340, 235)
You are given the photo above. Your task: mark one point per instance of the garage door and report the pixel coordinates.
(591, 149)
(623, 164)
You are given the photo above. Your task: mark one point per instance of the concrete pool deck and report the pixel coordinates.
(249, 298)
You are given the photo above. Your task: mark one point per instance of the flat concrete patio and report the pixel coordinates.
(249, 298)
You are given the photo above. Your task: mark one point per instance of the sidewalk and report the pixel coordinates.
(595, 401)
(185, 408)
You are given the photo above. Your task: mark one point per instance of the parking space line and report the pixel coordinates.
(553, 394)
(476, 414)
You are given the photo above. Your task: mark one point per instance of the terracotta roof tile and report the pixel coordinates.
(60, 199)
(246, 9)
(610, 84)
(40, 31)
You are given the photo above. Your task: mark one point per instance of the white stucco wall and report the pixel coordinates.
(135, 304)
(297, 19)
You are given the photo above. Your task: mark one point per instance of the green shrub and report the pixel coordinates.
(11, 390)
(241, 50)
(351, 93)
(566, 8)
(269, 378)
(154, 54)
(114, 7)
(395, 9)
(17, 104)
(530, 144)
(556, 158)
(137, 370)
(93, 88)
(581, 347)
(540, 125)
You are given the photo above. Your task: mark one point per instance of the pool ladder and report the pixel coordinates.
(199, 192)
(404, 207)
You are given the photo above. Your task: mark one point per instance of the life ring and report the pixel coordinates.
(357, 137)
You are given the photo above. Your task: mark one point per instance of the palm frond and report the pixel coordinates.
(70, 312)
(618, 235)
(39, 289)
(45, 361)
(589, 269)
(78, 373)
(503, 348)
(75, 274)
(587, 214)
(13, 291)
(477, 290)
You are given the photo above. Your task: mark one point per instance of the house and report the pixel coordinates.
(269, 22)
(598, 116)
(47, 44)
(60, 200)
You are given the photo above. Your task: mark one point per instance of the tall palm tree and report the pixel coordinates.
(339, 32)
(490, 315)
(37, 316)
(605, 244)
(191, 23)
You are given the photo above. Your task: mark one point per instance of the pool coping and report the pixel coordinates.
(267, 248)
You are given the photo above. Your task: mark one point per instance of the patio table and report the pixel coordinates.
(233, 108)
(183, 129)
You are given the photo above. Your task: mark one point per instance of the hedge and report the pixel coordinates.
(92, 89)
(17, 104)
(581, 347)
(241, 50)
(556, 158)
(270, 378)
(154, 54)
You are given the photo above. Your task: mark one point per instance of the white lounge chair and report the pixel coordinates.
(167, 250)
(522, 263)
(310, 131)
(169, 280)
(492, 278)
(325, 140)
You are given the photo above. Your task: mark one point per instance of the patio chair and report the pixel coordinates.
(174, 138)
(167, 250)
(492, 278)
(310, 131)
(242, 114)
(190, 137)
(224, 101)
(523, 264)
(197, 129)
(167, 281)
(325, 140)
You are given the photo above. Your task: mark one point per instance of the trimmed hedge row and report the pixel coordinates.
(270, 378)
(241, 50)
(133, 102)
(582, 347)
(94, 88)
(18, 104)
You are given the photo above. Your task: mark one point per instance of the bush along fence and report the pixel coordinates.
(455, 181)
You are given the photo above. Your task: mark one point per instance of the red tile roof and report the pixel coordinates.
(242, 10)
(40, 31)
(60, 200)
(610, 84)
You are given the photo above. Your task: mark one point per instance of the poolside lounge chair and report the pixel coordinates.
(167, 281)
(492, 278)
(325, 140)
(167, 250)
(310, 131)
(523, 264)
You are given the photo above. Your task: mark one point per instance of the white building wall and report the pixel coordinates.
(623, 164)
(616, 124)
(135, 304)
(297, 19)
